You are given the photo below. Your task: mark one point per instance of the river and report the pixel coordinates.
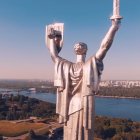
(112, 107)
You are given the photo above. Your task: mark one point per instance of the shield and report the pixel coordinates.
(52, 29)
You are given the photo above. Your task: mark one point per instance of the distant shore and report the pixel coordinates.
(117, 97)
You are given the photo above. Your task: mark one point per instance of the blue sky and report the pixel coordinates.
(23, 54)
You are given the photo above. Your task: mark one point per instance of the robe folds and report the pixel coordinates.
(88, 85)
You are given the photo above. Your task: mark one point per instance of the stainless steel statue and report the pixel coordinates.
(78, 82)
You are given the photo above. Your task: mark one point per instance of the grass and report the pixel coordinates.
(9, 129)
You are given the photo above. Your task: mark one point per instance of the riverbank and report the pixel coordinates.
(117, 97)
(113, 106)
(120, 92)
(104, 128)
(20, 107)
(25, 107)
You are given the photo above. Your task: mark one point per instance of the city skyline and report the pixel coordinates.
(23, 52)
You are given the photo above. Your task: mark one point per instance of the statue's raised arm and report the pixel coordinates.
(54, 39)
(108, 39)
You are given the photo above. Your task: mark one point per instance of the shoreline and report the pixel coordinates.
(117, 97)
(99, 96)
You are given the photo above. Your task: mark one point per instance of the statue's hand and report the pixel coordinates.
(57, 40)
(54, 34)
(56, 37)
(116, 23)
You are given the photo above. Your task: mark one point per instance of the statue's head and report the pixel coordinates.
(80, 48)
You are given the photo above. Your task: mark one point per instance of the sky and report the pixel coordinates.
(23, 54)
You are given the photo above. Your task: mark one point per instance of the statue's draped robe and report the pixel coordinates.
(76, 85)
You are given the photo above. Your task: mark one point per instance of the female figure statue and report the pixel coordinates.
(77, 83)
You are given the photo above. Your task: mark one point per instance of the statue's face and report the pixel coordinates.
(80, 48)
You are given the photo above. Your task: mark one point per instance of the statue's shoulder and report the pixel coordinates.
(62, 60)
(97, 62)
(91, 59)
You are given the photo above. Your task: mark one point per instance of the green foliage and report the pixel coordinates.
(120, 91)
(116, 129)
(21, 107)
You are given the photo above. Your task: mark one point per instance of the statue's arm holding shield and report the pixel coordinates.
(54, 39)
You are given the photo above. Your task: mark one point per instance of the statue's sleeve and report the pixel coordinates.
(61, 65)
(100, 66)
(61, 81)
(91, 75)
(59, 73)
(91, 78)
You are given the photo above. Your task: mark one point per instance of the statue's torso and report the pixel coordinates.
(75, 80)
(76, 74)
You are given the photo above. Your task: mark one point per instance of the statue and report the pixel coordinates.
(77, 83)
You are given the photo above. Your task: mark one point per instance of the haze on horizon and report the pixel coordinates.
(23, 54)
